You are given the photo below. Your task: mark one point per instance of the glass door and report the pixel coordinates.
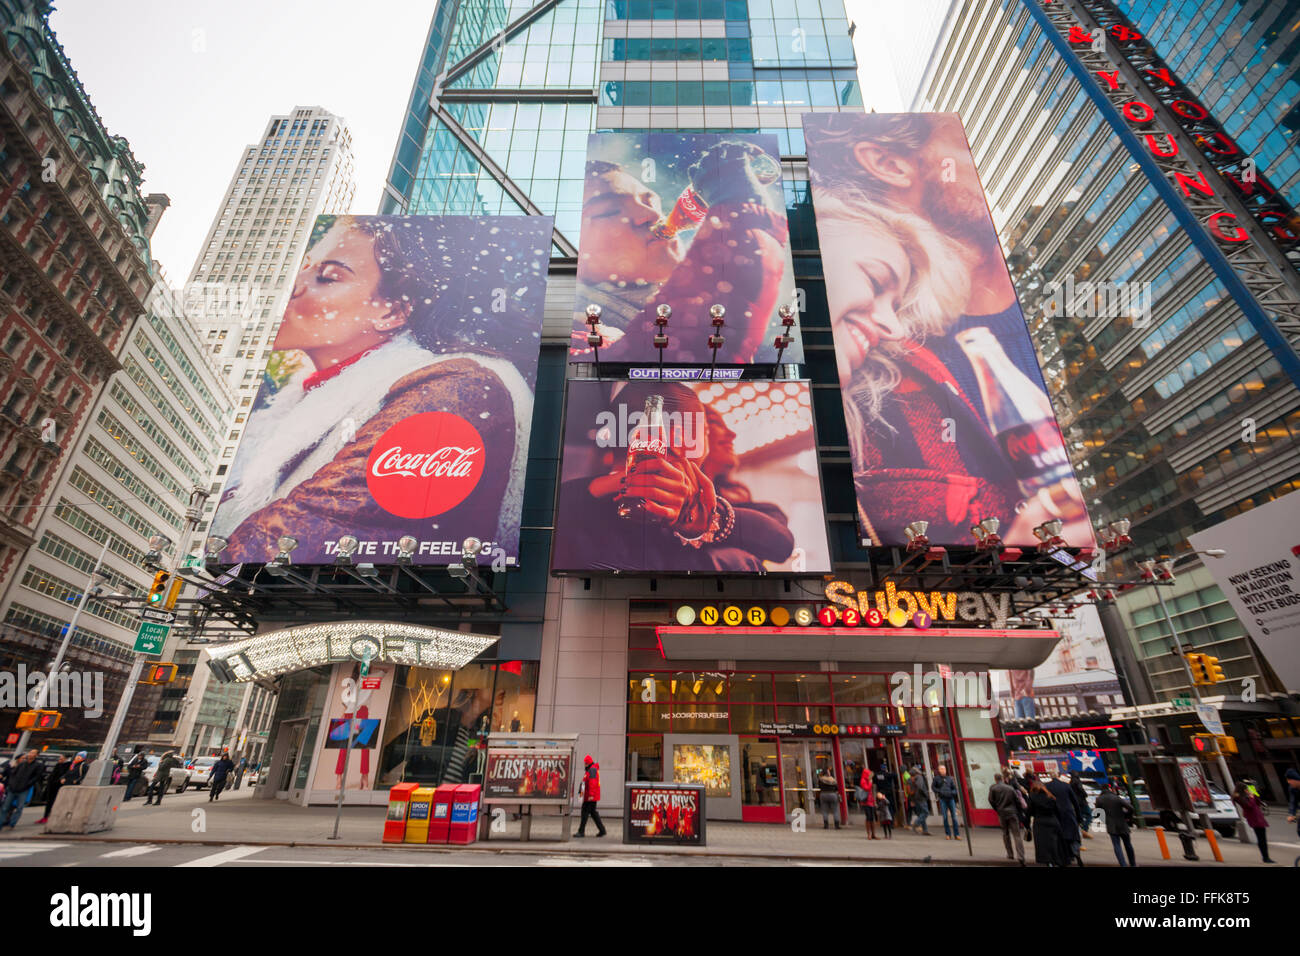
(294, 732)
(795, 781)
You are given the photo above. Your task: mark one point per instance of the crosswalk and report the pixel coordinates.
(13, 849)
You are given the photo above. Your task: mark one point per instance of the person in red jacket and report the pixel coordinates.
(590, 795)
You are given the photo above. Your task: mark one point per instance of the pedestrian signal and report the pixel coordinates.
(159, 674)
(37, 720)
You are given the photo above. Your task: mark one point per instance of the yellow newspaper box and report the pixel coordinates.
(417, 818)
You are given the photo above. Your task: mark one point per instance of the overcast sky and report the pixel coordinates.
(190, 84)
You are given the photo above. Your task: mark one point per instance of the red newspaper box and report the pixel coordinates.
(399, 802)
(464, 814)
(440, 813)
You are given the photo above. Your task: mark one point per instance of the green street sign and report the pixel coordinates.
(192, 561)
(151, 637)
(1182, 702)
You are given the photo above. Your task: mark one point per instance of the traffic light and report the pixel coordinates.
(1213, 672)
(1226, 744)
(159, 674)
(1206, 744)
(37, 720)
(158, 590)
(178, 583)
(1196, 663)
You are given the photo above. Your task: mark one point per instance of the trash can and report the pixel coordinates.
(417, 818)
(440, 815)
(399, 802)
(464, 814)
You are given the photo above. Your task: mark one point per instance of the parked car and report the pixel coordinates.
(1223, 817)
(180, 777)
(200, 771)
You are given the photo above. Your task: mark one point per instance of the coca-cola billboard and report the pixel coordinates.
(398, 400)
(949, 421)
(687, 220)
(532, 776)
(670, 477)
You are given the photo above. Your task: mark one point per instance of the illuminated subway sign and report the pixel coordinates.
(1216, 147)
(894, 604)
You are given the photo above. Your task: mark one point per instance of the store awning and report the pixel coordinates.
(976, 647)
(311, 645)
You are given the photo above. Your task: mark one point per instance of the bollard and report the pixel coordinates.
(1164, 847)
(1213, 837)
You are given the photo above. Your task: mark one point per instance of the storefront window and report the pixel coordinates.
(417, 717)
(699, 718)
(645, 758)
(745, 718)
(812, 715)
(803, 688)
(648, 688)
(971, 722)
(761, 779)
(647, 718)
(860, 688)
(515, 697)
(756, 688)
(924, 720)
(698, 686)
(862, 715)
(981, 770)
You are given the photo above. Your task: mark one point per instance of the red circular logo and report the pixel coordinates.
(425, 464)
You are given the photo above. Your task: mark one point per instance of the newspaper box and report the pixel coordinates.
(417, 817)
(440, 814)
(464, 814)
(399, 802)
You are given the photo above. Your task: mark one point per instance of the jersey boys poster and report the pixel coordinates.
(948, 416)
(399, 398)
(680, 478)
(689, 221)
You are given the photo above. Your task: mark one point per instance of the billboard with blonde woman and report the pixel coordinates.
(948, 414)
(687, 220)
(399, 399)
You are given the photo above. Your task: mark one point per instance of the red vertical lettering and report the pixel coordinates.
(1277, 225)
(1112, 79)
(1225, 146)
(1138, 112)
(1079, 35)
(1124, 34)
(1228, 233)
(1170, 147)
(1189, 109)
(1187, 183)
(1163, 75)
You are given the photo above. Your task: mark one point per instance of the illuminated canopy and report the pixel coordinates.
(311, 645)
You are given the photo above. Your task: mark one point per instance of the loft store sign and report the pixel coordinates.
(1267, 206)
(893, 604)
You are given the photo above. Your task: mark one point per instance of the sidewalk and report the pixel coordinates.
(237, 818)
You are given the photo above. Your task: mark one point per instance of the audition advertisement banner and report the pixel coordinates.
(680, 478)
(1259, 573)
(948, 415)
(691, 221)
(399, 398)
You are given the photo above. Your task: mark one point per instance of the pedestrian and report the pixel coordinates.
(885, 811)
(56, 782)
(828, 798)
(118, 769)
(886, 784)
(945, 788)
(162, 778)
(21, 778)
(920, 802)
(220, 773)
(134, 768)
(1048, 848)
(1119, 817)
(1252, 809)
(1081, 800)
(77, 772)
(1293, 798)
(590, 789)
(1067, 808)
(867, 800)
(1004, 799)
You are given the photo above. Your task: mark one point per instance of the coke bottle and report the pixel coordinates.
(648, 440)
(1019, 413)
(687, 213)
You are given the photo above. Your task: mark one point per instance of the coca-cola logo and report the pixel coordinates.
(425, 465)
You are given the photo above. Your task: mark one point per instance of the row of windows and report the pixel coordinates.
(39, 581)
(129, 481)
(735, 49)
(40, 623)
(141, 418)
(65, 551)
(116, 506)
(183, 362)
(788, 92)
(679, 9)
(74, 517)
(120, 434)
(142, 379)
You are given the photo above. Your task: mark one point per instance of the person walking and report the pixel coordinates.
(56, 783)
(1004, 799)
(945, 788)
(828, 798)
(1081, 801)
(220, 773)
(886, 785)
(1048, 848)
(885, 813)
(920, 802)
(21, 779)
(162, 779)
(1067, 808)
(1252, 811)
(590, 789)
(867, 800)
(1119, 816)
(134, 768)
